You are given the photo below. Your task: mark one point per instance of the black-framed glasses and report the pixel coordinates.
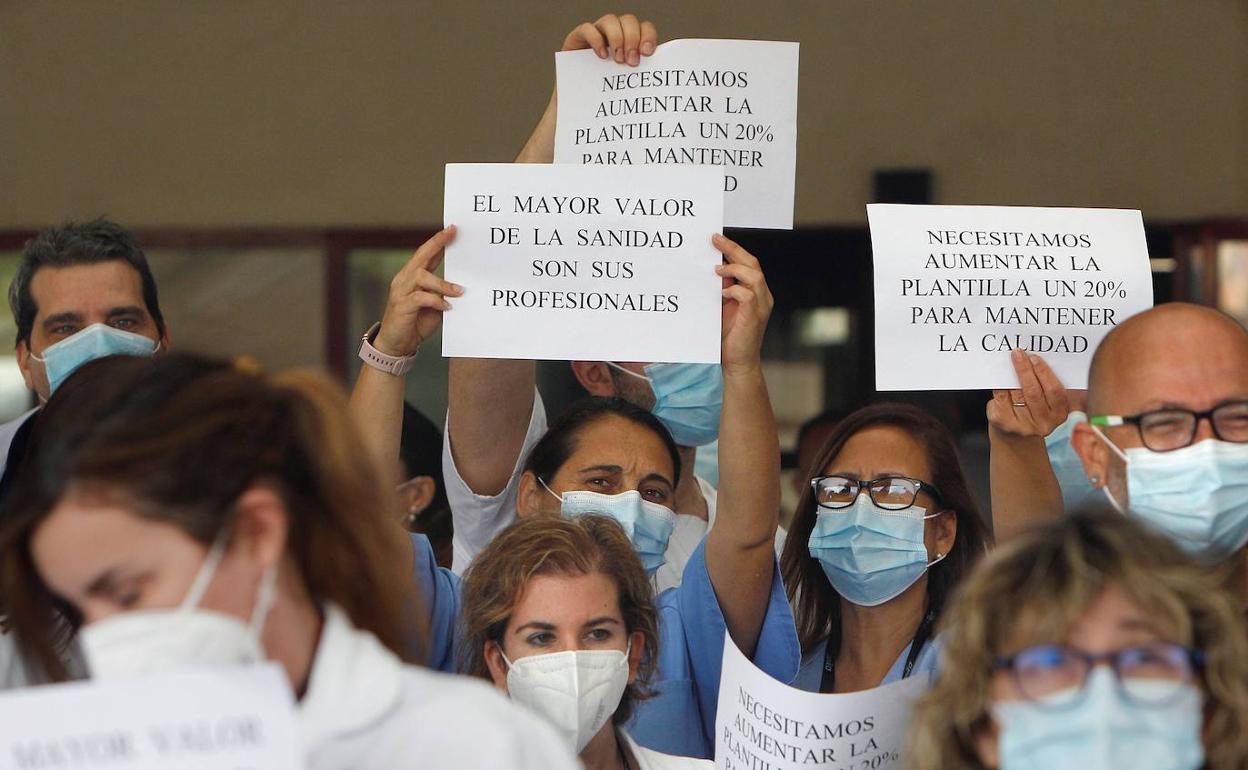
(892, 493)
(1164, 430)
(1054, 675)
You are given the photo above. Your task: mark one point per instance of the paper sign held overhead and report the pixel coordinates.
(731, 104)
(231, 718)
(763, 723)
(958, 287)
(565, 262)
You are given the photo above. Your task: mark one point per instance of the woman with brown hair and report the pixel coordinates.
(554, 602)
(884, 530)
(1088, 642)
(176, 512)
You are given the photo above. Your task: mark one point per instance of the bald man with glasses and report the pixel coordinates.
(1167, 431)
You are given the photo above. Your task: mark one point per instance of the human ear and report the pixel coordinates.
(595, 377)
(1092, 451)
(261, 526)
(418, 493)
(637, 648)
(529, 496)
(493, 655)
(946, 531)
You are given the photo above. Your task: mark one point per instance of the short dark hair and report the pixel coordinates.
(557, 445)
(78, 243)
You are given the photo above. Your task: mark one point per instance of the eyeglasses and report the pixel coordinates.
(1164, 430)
(1054, 675)
(891, 493)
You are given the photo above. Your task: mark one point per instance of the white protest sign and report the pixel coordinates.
(958, 287)
(762, 723)
(731, 104)
(567, 262)
(236, 718)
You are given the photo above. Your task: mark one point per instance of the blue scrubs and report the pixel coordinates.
(680, 718)
(810, 677)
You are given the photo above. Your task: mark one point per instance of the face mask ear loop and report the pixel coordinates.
(546, 486)
(266, 595)
(1113, 447)
(206, 572)
(614, 365)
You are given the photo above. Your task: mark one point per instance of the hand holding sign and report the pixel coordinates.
(417, 299)
(1037, 407)
(747, 304)
(622, 38)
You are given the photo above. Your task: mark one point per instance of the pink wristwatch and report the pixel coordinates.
(396, 365)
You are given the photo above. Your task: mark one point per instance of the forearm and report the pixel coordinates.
(1024, 489)
(490, 403)
(739, 548)
(540, 147)
(377, 408)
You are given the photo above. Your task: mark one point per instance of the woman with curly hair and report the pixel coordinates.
(1088, 643)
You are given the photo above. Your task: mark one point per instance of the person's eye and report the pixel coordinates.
(598, 482)
(124, 323)
(64, 330)
(540, 639)
(127, 599)
(599, 635)
(656, 495)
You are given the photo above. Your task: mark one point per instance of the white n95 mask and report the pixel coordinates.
(576, 691)
(143, 642)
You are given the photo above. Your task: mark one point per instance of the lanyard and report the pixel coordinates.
(921, 635)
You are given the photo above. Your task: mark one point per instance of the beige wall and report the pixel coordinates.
(286, 112)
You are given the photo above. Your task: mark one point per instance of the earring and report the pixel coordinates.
(1095, 479)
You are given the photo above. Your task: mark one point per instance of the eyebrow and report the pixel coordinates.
(602, 621)
(60, 318)
(537, 625)
(857, 477)
(603, 469)
(658, 477)
(126, 310)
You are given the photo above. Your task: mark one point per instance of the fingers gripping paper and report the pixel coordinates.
(958, 287)
(209, 719)
(731, 104)
(584, 263)
(765, 725)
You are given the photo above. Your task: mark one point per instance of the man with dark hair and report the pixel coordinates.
(83, 291)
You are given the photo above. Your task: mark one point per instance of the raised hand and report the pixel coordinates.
(417, 299)
(746, 308)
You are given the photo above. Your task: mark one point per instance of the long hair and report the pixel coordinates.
(1033, 589)
(816, 604)
(178, 438)
(584, 545)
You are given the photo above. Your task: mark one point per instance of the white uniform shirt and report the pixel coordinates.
(366, 710)
(654, 760)
(479, 518)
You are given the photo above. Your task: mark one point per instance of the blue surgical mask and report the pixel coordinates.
(63, 358)
(1102, 731)
(1197, 495)
(870, 554)
(1067, 466)
(687, 399)
(648, 525)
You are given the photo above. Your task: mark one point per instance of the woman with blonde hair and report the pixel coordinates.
(1088, 643)
(560, 614)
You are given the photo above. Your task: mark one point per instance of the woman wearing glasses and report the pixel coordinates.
(883, 532)
(1088, 643)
